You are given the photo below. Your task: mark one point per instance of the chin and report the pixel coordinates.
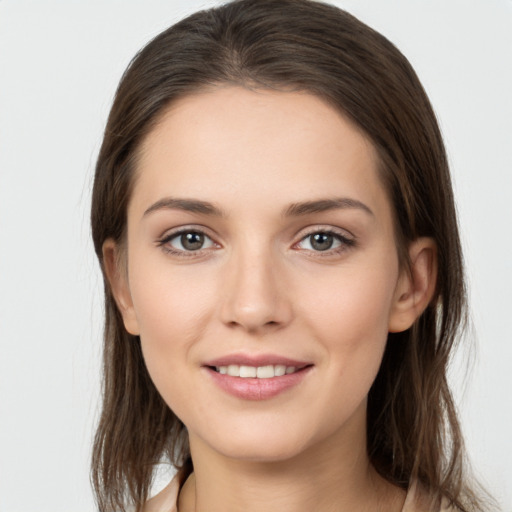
(259, 443)
(262, 451)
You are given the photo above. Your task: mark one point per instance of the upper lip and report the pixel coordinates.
(256, 360)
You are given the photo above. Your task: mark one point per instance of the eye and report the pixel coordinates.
(321, 241)
(186, 241)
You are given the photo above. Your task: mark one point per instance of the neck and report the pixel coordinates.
(334, 475)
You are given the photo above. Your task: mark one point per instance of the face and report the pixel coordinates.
(260, 240)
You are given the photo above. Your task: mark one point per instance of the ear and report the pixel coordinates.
(117, 275)
(416, 286)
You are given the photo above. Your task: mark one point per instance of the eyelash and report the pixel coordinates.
(163, 243)
(345, 242)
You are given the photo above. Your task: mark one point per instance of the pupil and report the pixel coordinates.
(192, 241)
(321, 241)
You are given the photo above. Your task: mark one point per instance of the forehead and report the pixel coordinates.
(243, 145)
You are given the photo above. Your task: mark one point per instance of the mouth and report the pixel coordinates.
(257, 372)
(262, 380)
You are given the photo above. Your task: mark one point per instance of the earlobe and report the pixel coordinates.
(415, 288)
(118, 280)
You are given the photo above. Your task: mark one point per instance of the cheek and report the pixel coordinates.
(350, 319)
(352, 305)
(170, 303)
(350, 322)
(173, 309)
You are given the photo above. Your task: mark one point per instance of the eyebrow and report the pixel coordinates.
(322, 205)
(188, 205)
(293, 210)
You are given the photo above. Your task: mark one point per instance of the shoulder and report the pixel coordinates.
(417, 500)
(165, 500)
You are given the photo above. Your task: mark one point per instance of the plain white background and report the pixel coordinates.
(60, 62)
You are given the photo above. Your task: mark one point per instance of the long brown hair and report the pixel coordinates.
(413, 431)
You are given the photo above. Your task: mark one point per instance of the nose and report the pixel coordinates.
(255, 296)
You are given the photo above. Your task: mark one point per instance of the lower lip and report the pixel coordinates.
(257, 389)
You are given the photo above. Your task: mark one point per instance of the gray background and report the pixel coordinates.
(60, 62)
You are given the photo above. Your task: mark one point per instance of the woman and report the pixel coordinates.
(273, 214)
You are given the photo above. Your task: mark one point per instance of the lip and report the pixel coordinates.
(256, 360)
(254, 388)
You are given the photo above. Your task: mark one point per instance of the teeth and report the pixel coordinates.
(280, 369)
(264, 372)
(260, 372)
(248, 371)
(234, 370)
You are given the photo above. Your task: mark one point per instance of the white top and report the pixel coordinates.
(166, 500)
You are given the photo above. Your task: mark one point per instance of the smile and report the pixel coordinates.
(257, 382)
(258, 372)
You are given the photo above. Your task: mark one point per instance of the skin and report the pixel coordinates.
(259, 286)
